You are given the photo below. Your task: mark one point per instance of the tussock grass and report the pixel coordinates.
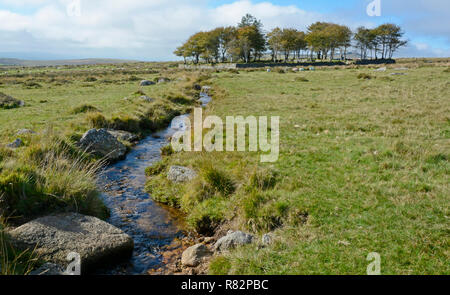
(13, 262)
(8, 102)
(85, 108)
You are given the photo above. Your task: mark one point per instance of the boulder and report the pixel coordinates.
(25, 132)
(123, 135)
(15, 144)
(383, 69)
(267, 239)
(101, 143)
(163, 80)
(197, 87)
(233, 240)
(181, 174)
(146, 98)
(195, 255)
(53, 237)
(48, 269)
(146, 83)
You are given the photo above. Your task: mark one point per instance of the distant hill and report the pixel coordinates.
(68, 62)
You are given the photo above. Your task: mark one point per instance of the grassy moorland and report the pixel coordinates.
(49, 173)
(363, 167)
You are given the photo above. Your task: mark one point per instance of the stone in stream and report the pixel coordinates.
(53, 237)
(195, 255)
(146, 83)
(123, 135)
(181, 174)
(101, 143)
(15, 144)
(233, 240)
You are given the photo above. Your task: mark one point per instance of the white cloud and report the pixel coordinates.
(140, 29)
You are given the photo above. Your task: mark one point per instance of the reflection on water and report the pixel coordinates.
(151, 226)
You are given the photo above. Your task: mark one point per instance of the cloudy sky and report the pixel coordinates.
(152, 29)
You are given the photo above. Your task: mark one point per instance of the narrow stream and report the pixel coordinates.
(152, 226)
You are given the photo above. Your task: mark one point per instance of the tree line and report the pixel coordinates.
(248, 42)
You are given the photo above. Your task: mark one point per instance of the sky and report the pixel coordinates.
(151, 30)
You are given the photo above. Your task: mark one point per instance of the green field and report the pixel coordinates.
(363, 167)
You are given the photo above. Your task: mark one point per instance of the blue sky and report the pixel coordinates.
(152, 29)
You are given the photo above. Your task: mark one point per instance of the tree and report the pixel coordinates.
(225, 36)
(274, 40)
(389, 36)
(300, 43)
(255, 34)
(288, 42)
(364, 42)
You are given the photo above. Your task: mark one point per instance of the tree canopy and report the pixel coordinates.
(322, 40)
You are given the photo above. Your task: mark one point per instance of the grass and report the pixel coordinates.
(13, 262)
(49, 173)
(363, 168)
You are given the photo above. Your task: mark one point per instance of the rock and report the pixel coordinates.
(15, 144)
(25, 132)
(163, 80)
(397, 74)
(124, 135)
(295, 70)
(267, 239)
(269, 70)
(48, 269)
(103, 144)
(146, 98)
(197, 87)
(146, 83)
(181, 174)
(383, 69)
(302, 70)
(312, 68)
(233, 240)
(54, 237)
(206, 89)
(194, 255)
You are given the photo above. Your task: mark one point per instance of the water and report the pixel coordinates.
(153, 227)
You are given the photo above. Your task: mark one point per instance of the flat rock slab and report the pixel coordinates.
(98, 243)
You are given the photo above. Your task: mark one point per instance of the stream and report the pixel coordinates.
(154, 228)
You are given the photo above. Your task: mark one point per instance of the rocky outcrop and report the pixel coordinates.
(101, 143)
(181, 174)
(146, 83)
(54, 237)
(233, 240)
(195, 255)
(123, 135)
